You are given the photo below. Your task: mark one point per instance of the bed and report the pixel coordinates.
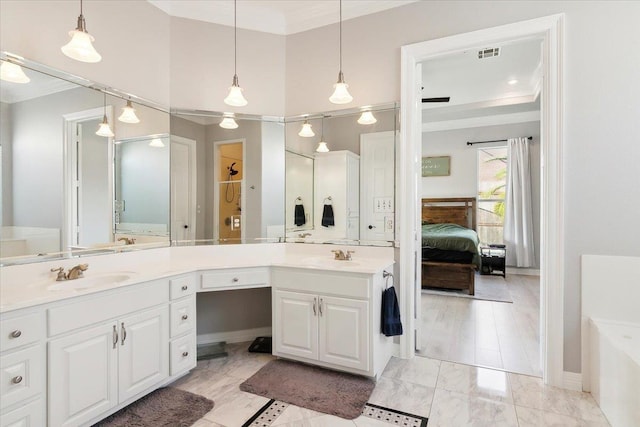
(449, 244)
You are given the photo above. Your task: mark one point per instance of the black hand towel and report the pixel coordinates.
(391, 324)
(299, 217)
(327, 216)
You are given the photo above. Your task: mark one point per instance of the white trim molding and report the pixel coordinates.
(572, 381)
(549, 30)
(242, 335)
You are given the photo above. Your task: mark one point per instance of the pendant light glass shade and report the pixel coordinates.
(367, 118)
(228, 122)
(129, 114)
(80, 47)
(322, 147)
(104, 129)
(235, 97)
(10, 72)
(157, 143)
(341, 93)
(306, 130)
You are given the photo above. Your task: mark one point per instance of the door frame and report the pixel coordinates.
(69, 155)
(550, 30)
(216, 185)
(193, 185)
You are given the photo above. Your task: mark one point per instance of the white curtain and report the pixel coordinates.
(518, 220)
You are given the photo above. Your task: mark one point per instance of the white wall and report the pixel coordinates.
(463, 181)
(6, 216)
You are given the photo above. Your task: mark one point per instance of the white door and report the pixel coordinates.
(144, 351)
(344, 332)
(183, 188)
(296, 324)
(84, 383)
(377, 186)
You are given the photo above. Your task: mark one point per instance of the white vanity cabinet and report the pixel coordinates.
(93, 369)
(182, 347)
(329, 318)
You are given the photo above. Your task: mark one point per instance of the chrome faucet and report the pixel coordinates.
(127, 240)
(72, 274)
(341, 256)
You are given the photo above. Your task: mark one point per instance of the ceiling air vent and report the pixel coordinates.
(489, 52)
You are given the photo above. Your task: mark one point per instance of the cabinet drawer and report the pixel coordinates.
(326, 282)
(22, 330)
(183, 316)
(23, 375)
(235, 278)
(182, 286)
(183, 354)
(107, 305)
(30, 415)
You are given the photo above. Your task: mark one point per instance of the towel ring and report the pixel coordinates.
(298, 200)
(329, 199)
(386, 275)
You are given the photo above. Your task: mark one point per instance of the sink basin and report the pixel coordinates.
(89, 282)
(328, 261)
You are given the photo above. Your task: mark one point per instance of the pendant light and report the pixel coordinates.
(129, 114)
(235, 97)
(367, 118)
(10, 72)
(228, 122)
(322, 146)
(306, 130)
(156, 143)
(104, 129)
(80, 47)
(341, 93)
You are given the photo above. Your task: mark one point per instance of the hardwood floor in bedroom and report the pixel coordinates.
(486, 333)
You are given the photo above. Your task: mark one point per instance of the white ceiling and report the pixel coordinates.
(479, 87)
(275, 16)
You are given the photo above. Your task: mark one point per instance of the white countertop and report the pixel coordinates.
(29, 285)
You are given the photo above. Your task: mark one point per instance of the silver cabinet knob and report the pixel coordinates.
(185, 287)
(185, 317)
(185, 353)
(235, 280)
(17, 379)
(16, 333)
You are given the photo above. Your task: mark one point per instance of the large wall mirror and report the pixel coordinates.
(61, 181)
(340, 169)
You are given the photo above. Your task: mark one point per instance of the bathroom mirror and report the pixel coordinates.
(237, 176)
(350, 194)
(57, 173)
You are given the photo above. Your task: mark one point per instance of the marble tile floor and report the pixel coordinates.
(449, 394)
(486, 333)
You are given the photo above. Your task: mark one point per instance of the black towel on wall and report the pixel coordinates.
(299, 218)
(327, 216)
(391, 324)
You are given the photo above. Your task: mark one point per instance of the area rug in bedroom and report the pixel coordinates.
(165, 407)
(489, 288)
(330, 392)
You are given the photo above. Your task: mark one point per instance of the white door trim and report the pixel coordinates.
(193, 187)
(550, 30)
(216, 185)
(69, 152)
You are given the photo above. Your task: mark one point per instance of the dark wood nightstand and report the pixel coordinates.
(493, 259)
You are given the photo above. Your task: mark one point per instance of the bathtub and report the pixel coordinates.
(615, 370)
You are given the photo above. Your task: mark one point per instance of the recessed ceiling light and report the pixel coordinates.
(512, 81)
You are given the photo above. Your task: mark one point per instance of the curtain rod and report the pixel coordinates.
(495, 140)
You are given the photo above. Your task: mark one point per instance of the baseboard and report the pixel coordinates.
(243, 335)
(572, 381)
(523, 271)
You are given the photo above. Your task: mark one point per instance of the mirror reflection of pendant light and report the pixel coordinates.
(341, 93)
(104, 129)
(306, 130)
(228, 122)
(367, 118)
(10, 72)
(235, 97)
(157, 143)
(129, 114)
(80, 47)
(322, 146)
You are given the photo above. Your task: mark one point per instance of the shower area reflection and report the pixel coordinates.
(230, 189)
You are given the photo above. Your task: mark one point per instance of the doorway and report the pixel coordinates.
(549, 29)
(229, 220)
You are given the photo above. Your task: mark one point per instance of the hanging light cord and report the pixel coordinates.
(340, 36)
(235, 39)
(322, 130)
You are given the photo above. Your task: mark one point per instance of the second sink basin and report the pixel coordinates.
(89, 282)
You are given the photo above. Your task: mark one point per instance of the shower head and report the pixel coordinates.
(232, 171)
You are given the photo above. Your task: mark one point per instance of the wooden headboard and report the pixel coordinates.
(456, 210)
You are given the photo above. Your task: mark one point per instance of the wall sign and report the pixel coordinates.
(436, 166)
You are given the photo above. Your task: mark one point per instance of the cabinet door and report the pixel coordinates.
(83, 378)
(295, 329)
(144, 351)
(344, 332)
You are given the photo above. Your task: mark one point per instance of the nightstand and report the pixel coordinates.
(493, 258)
